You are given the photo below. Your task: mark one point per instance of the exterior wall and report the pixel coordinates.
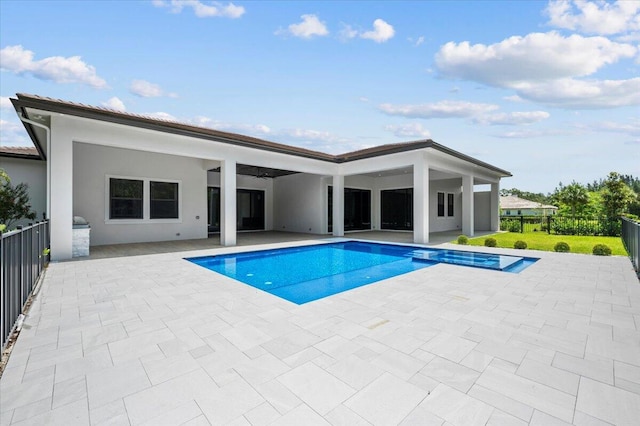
(482, 211)
(93, 163)
(250, 182)
(527, 212)
(299, 204)
(448, 186)
(33, 173)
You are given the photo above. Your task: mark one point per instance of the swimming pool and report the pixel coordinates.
(307, 273)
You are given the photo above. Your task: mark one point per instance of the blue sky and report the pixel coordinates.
(547, 90)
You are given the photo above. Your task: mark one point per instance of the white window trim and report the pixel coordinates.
(146, 201)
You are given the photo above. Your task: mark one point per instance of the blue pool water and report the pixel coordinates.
(304, 274)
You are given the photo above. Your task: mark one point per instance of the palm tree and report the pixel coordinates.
(575, 196)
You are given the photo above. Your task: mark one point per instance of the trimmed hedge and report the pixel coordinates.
(463, 240)
(601, 250)
(561, 247)
(490, 242)
(520, 245)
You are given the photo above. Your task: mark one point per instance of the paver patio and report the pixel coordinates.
(154, 339)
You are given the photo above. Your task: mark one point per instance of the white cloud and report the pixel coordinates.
(411, 130)
(583, 94)
(631, 129)
(513, 118)
(382, 31)
(595, 17)
(417, 41)
(310, 26)
(54, 68)
(347, 32)
(543, 67)
(146, 89)
(115, 103)
(13, 134)
(442, 109)
(534, 57)
(5, 102)
(161, 116)
(513, 98)
(532, 133)
(201, 9)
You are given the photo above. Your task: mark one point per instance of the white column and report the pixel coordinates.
(60, 158)
(338, 206)
(228, 203)
(467, 206)
(495, 206)
(421, 201)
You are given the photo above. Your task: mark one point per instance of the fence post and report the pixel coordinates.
(549, 225)
(522, 224)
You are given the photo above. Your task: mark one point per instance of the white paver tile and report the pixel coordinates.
(398, 363)
(608, 403)
(262, 369)
(245, 336)
(113, 383)
(450, 373)
(544, 398)
(302, 415)
(354, 372)
(343, 416)
(111, 414)
(279, 396)
(505, 351)
(73, 414)
(582, 419)
(449, 346)
(594, 367)
(163, 369)
(179, 415)
(221, 406)
(386, 400)
(69, 391)
(542, 419)
(154, 401)
(477, 360)
(317, 388)
(29, 411)
(627, 377)
(456, 407)
(263, 414)
(550, 376)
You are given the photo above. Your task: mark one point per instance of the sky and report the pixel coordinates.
(548, 90)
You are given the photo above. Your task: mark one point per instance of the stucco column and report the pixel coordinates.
(228, 203)
(421, 201)
(467, 206)
(495, 206)
(60, 157)
(338, 206)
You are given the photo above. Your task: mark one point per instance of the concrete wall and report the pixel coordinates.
(482, 209)
(93, 163)
(299, 203)
(34, 174)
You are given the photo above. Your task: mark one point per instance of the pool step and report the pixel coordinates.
(479, 260)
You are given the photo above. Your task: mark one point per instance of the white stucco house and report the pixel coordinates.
(510, 205)
(140, 179)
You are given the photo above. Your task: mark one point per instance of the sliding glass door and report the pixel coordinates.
(249, 209)
(357, 209)
(397, 209)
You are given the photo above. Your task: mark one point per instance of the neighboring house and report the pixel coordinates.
(510, 205)
(139, 179)
(25, 165)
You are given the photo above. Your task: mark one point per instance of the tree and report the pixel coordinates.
(575, 196)
(14, 201)
(616, 195)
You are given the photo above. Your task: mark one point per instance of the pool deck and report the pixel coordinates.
(156, 340)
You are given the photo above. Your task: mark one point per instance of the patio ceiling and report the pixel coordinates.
(259, 171)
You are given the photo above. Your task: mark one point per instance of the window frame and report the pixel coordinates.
(441, 207)
(146, 201)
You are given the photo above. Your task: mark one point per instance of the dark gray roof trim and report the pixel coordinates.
(102, 114)
(26, 153)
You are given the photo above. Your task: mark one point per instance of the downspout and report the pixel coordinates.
(48, 133)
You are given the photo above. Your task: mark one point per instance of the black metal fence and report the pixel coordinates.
(562, 225)
(23, 256)
(631, 240)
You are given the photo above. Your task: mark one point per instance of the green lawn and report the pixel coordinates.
(546, 242)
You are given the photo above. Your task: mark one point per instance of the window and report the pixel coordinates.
(125, 198)
(450, 205)
(397, 209)
(164, 200)
(440, 204)
(135, 200)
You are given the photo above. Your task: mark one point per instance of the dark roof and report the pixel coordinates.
(135, 120)
(27, 152)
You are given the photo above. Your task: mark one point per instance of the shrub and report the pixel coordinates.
(561, 247)
(463, 240)
(521, 245)
(490, 242)
(601, 250)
